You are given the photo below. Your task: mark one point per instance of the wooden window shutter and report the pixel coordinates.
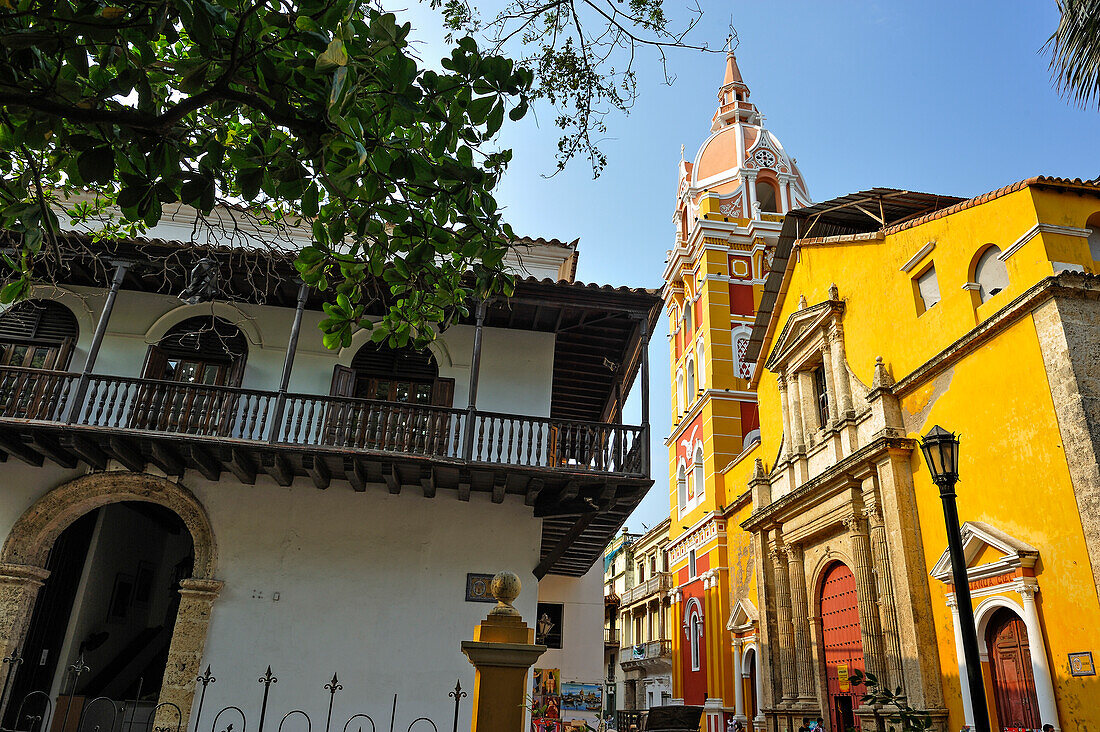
(155, 363)
(443, 393)
(343, 381)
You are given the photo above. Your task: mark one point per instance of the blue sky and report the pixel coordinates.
(944, 97)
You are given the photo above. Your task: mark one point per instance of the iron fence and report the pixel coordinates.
(36, 711)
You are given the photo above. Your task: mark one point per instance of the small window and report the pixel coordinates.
(697, 473)
(641, 572)
(681, 403)
(700, 364)
(928, 289)
(990, 273)
(765, 196)
(691, 563)
(687, 318)
(821, 391)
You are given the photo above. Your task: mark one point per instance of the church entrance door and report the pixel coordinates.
(842, 646)
(1010, 666)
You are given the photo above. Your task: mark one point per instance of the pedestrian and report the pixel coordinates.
(819, 725)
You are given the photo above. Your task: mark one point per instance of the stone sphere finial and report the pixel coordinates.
(505, 588)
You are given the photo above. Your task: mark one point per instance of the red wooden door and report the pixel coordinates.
(1010, 664)
(843, 647)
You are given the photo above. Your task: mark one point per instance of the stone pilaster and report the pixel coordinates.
(888, 616)
(866, 595)
(840, 372)
(800, 621)
(794, 409)
(186, 650)
(783, 621)
(19, 586)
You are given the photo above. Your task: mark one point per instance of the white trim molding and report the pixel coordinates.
(920, 254)
(1041, 228)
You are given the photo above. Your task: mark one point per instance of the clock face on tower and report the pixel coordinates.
(764, 158)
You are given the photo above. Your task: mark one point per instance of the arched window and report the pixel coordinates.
(687, 318)
(1093, 227)
(681, 487)
(697, 473)
(690, 382)
(201, 350)
(990, 273)
(766, 196)
(700, 363)
(404, 375)
(695, 629)
(37, 334)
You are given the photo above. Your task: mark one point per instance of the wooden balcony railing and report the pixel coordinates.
(646, 651)
(230, 413)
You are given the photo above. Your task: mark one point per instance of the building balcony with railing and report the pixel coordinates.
(646, 655)
(522, 397)
(649, 589)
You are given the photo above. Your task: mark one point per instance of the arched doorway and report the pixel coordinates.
(749, 682)
(841, 643)
(103, 621)
(38, 538)
(1010, 668)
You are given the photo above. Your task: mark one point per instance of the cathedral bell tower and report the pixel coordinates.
(729, 211)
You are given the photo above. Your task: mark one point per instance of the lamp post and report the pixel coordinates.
(941, 453)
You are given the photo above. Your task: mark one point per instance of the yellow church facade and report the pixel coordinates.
(888, 312)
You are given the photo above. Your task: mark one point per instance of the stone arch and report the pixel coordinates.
(33, 535)
(23, 572)
(985, 611)
(821, 568)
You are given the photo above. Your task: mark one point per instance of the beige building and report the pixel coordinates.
(646, 656)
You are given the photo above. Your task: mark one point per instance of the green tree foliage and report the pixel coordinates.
(582, 54)
(312, 113)
(1075, 51)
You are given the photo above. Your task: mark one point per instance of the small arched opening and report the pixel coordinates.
(404, 375)
(989, 272)
(681, 487)
(201, 350)
(767, 196)
(697, 473)
(1093, 228)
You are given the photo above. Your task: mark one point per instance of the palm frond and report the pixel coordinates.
(1075, 51)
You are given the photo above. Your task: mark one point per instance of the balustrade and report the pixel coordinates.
(231, 413)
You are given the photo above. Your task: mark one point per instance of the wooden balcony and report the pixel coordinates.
(563, 468)
(646, 655)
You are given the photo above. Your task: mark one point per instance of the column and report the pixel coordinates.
(794, 408)
(750, 189)
(888, 616)
(759, 689)
(840, 372)
(968, 706)
(866, 597)
(800, 620)
(785, 407)
(676, 635)
(807, 397)
(709, 635)
(830, 378)
(1040, 668)
(738, 682)
(783, 623)
(185, 651)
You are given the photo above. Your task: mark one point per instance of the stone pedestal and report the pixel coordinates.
(502, 651)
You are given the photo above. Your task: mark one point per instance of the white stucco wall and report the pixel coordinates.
(517, 367)
(370, 586)
(581, 657)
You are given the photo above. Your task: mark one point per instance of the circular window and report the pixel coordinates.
(765, 158)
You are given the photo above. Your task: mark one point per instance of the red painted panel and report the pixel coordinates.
(698, 319)
(702, 563)
(750, 417)
(841, 640)
(741, 302)
(682, 576)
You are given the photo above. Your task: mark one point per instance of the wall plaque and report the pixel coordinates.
(477, 587)
(1080, 664)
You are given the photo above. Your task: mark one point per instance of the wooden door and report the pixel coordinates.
(843, 645)
(1010, 667)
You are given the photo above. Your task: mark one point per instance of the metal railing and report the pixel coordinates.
(233, 413)
(662, 581)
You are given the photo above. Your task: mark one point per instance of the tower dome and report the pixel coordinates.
(742, 161)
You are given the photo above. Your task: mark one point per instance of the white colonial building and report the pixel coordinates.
(193, 486)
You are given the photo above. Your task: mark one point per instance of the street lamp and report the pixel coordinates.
(941, 453)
